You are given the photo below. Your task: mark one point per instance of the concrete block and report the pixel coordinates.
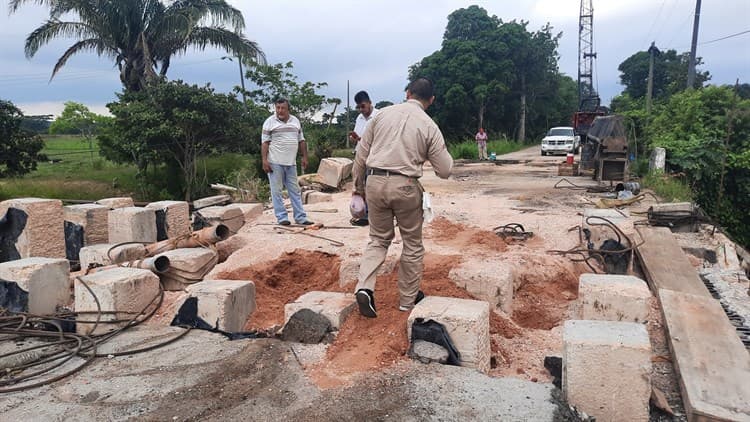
(98, 256)
(333, 171)
(611, 297)
(492, 283)
(176, 217)
(250, 211)
(114, 203)
(224, 304)
(132, 224)
(332, 305)
(658, 159)
(118, 289)
(467, 323)
(607, 369)
(45, 279)
(230, 216)
(211, 201)
(599, 231)
(44, 232)
(94, 220)
(315, 197)
(187, 266)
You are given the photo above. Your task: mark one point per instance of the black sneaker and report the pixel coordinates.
(366, 302)
(306, 223)
(285, 223)
(420, 296)
(359, 222)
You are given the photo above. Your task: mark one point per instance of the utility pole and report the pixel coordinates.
(650, 89)
(693, 46)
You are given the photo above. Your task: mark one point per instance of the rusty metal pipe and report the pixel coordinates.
(203, 237)
(157, 264)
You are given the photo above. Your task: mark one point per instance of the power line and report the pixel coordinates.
(656, 19)
(726, 37)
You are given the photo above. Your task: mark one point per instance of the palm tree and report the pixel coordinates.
(141, 36)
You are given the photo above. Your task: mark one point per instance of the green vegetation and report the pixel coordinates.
(468, 149)
(667, 187)
(497, 75)
(19, 148)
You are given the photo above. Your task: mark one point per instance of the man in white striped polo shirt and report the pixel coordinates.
(280, 140)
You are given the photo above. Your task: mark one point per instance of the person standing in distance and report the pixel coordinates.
(481, 138)
(366, 113)
(281, 138)
(391, 153)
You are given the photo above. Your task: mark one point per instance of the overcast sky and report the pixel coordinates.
(373, 44)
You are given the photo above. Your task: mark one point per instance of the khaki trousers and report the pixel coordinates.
(388, 197)
(482, 145)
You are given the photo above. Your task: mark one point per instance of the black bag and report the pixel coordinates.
(435, 332)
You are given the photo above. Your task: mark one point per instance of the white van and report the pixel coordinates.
(560, 140)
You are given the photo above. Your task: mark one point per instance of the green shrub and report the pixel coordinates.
(668, 188)
(469, 150)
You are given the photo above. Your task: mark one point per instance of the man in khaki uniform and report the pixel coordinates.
(391, 153)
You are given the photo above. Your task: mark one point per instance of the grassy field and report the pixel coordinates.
(469, 150)
(74, 171)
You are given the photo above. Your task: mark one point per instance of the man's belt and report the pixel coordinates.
(381, 172)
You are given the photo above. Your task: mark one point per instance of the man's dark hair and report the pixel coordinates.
(361, 96)
(421, 89)
(282, 100)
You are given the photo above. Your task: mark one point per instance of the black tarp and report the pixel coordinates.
(11, 226)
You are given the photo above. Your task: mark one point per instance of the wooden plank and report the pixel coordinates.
(665, 264)
(711, 361)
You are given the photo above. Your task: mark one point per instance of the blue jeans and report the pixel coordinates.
(286, 177)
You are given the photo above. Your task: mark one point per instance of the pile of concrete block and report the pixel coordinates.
(105, 254)
(467, 323)
(114, 203)
(612, 297)
(132, 224)
(315, 197)
(93, 218)
(249, 211)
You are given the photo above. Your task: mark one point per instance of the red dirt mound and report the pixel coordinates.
(444, 231)
(283, 280)
(543, 296)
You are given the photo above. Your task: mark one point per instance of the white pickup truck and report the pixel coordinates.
(560, 140)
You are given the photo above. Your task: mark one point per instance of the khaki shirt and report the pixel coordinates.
(400, 139)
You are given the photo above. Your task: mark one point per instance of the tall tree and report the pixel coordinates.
(19, 149)
(172, 123)
(670, 74)
(140, 36)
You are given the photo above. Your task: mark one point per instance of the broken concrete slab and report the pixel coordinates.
(492, 283)
(94, 220)
(306, 326)
(607, 369)
(46, 280)
(335, 306)
(114, 203)
(224, 304)
(467, 323)
(427, 352)
(315, 197)
(211, 201)
(132, 224)
(599, 229)
(610, 297)
(125, 290)
(658, 160)
(230, 216)
(249, 211)
(187, 266)
(44, 233)
(334, 170)
(176, 218)
(101, 256)
(712, 363)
